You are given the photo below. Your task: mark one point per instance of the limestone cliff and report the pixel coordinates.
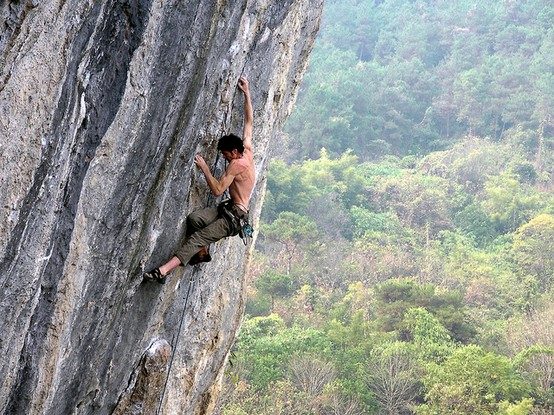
(103, 105)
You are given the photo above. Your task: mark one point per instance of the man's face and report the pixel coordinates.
(229, 155)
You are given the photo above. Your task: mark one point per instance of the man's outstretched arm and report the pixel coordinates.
(248, 114)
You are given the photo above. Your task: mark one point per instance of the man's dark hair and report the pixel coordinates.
(230, 142)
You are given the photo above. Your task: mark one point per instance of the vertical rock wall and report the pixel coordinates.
(103, 105)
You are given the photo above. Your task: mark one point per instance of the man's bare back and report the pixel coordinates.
(240, 189)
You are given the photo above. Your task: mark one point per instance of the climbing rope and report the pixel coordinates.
(175, 342)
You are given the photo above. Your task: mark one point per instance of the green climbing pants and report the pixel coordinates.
(204, 227)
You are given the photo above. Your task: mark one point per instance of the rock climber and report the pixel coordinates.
(211, 224)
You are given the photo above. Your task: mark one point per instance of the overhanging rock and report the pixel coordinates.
(103, 105)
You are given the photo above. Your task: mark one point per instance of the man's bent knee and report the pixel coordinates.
(193, 218)
(194, 222)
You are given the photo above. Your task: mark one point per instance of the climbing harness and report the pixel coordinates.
(238, 218)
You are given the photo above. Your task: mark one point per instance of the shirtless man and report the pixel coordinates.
(212, 224)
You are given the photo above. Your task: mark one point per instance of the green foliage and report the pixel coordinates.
(395, 298)
(234, 409)
(284, 399)
(536, 350)
(290, 226)
(256, 327)
(425, 327)
(366, 221)
(437, 218)
(355, 300)
(523, 407)
(472, 381)
(419, 201)
(533, 249)
(259, 305)
(431, 339)
(508, 203)
(476, 223)
(414, 212)
(274, 284)
(470, 162)
(266, 346)
(405, 77)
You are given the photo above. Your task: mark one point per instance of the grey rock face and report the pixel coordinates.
(103, 105)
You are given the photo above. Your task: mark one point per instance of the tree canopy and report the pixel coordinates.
(404, 263)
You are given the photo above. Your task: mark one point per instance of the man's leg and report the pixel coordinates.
(218, 229)
(169, 266)
(200, 219)
(196, 220)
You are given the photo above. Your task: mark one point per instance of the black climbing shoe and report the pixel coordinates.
(154, 275)
(201, 256)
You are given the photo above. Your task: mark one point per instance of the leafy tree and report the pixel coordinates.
(366, 221)
(508, 203)
(523, 407)
(289, 229)
(259, 305)
(533, 249)
(266, 347)
(474, 221)
(472, 381)
(430, 338)
(356, 301)
(395, 298)
(406, 77)
(256, 327)
(414, 211)
(420, 202)
(274, 284)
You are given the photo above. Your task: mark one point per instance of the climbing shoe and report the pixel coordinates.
(154, 275)
(201, 256)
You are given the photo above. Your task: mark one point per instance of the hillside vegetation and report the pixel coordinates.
(405, 260)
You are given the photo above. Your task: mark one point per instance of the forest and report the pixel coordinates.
(405, 256)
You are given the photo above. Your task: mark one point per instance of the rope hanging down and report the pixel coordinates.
(175, 342)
